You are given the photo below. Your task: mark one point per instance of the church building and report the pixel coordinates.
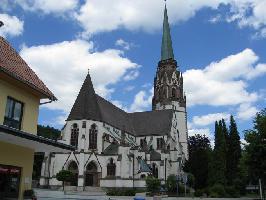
(119, 149)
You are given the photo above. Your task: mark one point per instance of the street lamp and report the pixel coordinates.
(1, 23)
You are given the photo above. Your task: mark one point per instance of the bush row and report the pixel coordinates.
(218, 191)
(121, 192)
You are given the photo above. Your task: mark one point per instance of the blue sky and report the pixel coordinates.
(218, 44)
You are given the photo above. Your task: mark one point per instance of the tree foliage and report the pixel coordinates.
(219, 155)
(48, 132)
(256, 147)
(153, 184)
(199, 152)
(233, 152)
(64, 176)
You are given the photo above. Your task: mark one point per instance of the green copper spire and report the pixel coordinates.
(167, 49)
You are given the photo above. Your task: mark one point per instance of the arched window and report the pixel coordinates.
(173, 93)
(154, 170)
(74, 135)
(93, 137)
(73, 167)
(111, 168)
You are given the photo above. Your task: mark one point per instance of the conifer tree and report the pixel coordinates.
(233, 153)
(219, 154)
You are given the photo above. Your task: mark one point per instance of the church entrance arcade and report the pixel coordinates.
(92, 175)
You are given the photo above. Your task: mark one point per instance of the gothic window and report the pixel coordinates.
(160, 143)
(74, 135)
(93, 137)
(173, 93)
(111, 168)
(154, 170)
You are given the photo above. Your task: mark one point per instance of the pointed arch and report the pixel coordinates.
(73, 167)
(93, 136)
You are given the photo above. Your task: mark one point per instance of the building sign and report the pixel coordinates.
(9, 181)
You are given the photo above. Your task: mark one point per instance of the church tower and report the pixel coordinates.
(168, 87)
(168, 82)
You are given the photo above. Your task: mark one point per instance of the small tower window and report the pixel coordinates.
(74, 135)
(93, 137)
(84, 124)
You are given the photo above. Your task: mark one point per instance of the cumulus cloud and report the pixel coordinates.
(102, 16)
(124, 44)
(63, 67)
(47, 6)
(224, 82)
(12, 25)
(209, 119)
(142, 101)
(246, 111)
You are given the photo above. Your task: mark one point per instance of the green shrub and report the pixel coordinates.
(199, 193)
(152, 184)
(121, 192)
(231, 191)
(217, 191)
(29, 193)
(171, 183)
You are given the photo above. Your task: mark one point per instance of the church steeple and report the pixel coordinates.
(166, 49)
(168, 82)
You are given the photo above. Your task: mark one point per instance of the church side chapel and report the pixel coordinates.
(119, 149)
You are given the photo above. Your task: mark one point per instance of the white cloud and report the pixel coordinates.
(12, 25)
(63, 67)
(204, 131)
(47, 6)
(215, 19)
(224, 82)
(125, 45)
(131, 75)
(142, 101)
(246, 111)
(102, 16)
(129, 88)
(209, 119)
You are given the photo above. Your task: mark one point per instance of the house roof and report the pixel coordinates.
(91, 106)
(13, 65)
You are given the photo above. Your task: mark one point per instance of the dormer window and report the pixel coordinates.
(13, 113)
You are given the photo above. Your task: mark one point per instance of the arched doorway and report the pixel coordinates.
(73, 167)
(92, 175)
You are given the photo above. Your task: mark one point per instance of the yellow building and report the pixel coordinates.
(20, 93)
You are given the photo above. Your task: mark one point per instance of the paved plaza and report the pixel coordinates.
(44, 194)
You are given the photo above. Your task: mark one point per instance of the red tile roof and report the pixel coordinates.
(12, 64)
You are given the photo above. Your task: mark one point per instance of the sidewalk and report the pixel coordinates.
(45, 194)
